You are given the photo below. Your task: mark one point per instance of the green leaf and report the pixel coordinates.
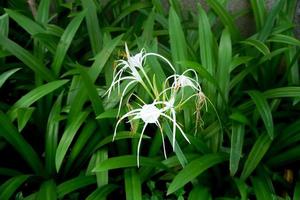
(224, 60)
(206, 42)
(207, 55)
(8, 188)
(68, 137)
(283, 158)
(259, 11)
(282, 92)
(268, 25)
(74, 184)
(256, 154)
(65, 42)
(92, 24)
(261, 189)
(9, 133)
(94, 71)
(111, 113)
(102, 177)
(130, 9)
(52, 134)
(5, 75)
(194, 169)
(200, 192)
(9, 172)
(23, 115)
(4, 24)
(82, 140)
(202, 72)
(102, 192)
(178, 151)
(26, 23)
(133, 187)
(260, 46)
(243, 188)
(33, 96)
(225, 17)
(42, 14)
(237, 141)
(264, 111)
(27, 58)
(91, 91)
(119, 136)
(297, 191)
(126, 161)
(47, 191)
(284, 39)
(177, 39)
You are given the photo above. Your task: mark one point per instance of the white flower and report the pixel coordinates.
(181, 81)
(136, 60)
(150, 114)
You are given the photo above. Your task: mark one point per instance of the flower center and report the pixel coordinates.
(136, 60)
(150, 113)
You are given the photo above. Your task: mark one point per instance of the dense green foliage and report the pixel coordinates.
(56, 127)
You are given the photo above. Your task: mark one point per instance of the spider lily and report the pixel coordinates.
(131, 67)
(150, 114)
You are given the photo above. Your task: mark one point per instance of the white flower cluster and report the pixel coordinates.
(164, 104)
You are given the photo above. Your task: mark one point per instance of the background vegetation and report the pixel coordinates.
(56, 61)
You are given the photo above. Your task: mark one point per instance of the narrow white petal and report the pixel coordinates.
(123, 94)
(130, 113)
(139, 145)
(160, 56)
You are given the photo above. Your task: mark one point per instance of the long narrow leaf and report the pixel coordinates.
(224, 60)
(5, 75)
(9, 133)
(177, 39)
(52, 134)
(257, 152)
(8, 188)
(264, 110)
(133, 187)
(225, 17)
(27, 58)
(102, 192)
(34, 95)
(92, 24)
(67, 138)
(126, 161)
(194, 169)
(65, 42)
(47, 191)
(237, 141)
(74, 184)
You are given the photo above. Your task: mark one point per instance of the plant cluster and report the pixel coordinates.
(82, 117)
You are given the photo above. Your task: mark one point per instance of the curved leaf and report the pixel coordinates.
(126, 161)
(102, 192)
(9, 133)
(74, 184)
(5, 75)
(264, 111)
(8, 188)
(257, 152)
(67, 138)
(34, 95)
(194, 169)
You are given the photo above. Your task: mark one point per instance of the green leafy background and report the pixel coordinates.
(56, 61)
